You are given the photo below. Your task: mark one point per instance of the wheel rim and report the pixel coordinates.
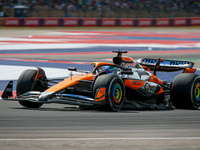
(117, 93)
(197, 92)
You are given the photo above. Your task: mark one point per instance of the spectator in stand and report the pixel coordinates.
(124, 5)
(63, 5)
(71, 7)
(97, 4)
(196, 7)
(108, 6)
(109, 12)
(27, 4)
(175, 9)
(71, 10)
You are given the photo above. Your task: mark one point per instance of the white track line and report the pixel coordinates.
(11, 72)
(67, 44)
(91, 139)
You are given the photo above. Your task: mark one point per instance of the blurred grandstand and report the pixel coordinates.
(105, 8)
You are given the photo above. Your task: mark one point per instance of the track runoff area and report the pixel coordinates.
(56, 50)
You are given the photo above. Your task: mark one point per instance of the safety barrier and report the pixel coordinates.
(100, 22)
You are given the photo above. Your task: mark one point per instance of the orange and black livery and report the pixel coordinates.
(111, 85)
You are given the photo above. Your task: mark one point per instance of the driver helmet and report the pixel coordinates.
(111, 69)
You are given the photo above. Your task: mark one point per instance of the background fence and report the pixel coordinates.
(105, 8)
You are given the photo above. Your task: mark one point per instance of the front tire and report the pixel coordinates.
(25, 83)
(185, 91)
(115, 90)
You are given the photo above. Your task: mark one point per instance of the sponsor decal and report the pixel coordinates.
(100, 94)
(70, 22)
(11, 22)
(31, 22)
(178, 63)
(126, 22)
(102, 91)
(90, 22)
(150, 61)
(144, 22)
(108, 22)
(137, 83)
(51, 22)
(8, 89)
(195, 21)
(162, 22)
(180, 22)
(151, 88)
(188, 70)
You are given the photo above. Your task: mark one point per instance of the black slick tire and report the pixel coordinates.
(25, 83)
(185, 91)
(115, 91)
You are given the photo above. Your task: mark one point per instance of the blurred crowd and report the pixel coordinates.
(94, 4)
(112, 5)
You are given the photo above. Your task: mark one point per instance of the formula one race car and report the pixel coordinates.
(111, 85)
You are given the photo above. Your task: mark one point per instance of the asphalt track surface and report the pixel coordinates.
(56, 126)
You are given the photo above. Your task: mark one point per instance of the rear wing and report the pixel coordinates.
(166, 65)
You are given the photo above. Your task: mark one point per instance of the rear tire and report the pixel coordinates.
(185, 91)
(25, 83)
(115, 91)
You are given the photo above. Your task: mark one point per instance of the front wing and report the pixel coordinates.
(38, 97)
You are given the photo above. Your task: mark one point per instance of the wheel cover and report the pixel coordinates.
(117, 93)
(197, 92)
